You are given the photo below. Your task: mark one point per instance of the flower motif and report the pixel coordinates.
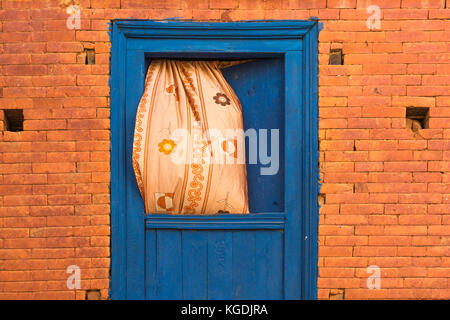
(166, 146)
(170, 90)
(230, 146)
(221, 99)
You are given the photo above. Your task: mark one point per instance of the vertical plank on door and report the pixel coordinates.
(150, 265)
(169, 264)
(220, 276)
(135, 237)
(244, 265)
(294, 179)
(195, 268)
(259, 87)
(269, 266)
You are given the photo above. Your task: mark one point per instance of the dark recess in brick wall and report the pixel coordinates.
(336, 57)
(13, 120)
(417, 118)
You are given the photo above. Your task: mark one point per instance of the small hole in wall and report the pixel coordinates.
(417, 118)
(90, 56)
(93, 294)
(337, 294)
(336, 57)
(321, 199)
(13, 120)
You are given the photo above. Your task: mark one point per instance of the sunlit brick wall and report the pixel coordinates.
(386, 188)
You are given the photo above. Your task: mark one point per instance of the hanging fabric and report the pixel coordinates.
(185, 156)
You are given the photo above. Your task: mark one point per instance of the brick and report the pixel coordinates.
(25, 179)
(69, 199)
(369, 123)
(420, 4)
(406, 230)
(91, 36)
(421, 69)
(420, 219)
(390, 177)
(369, 166)
(105, 4)
(15, 168)
(383, 111)
(67, 156)
(14, 189)
(54, 167)
(405, 166)
(427, 155)
(69, 178)
(88, 124)
(342, 134)
(15, 200)
(405, 14)
(369, 230)
(391, 188)
(384, 68)
(383, 198)
(391, 156)
(361, 208)
(46, 211)
(420, 198)
(412, 144)
(406, 209)
(347, 198)
(64, 46)
(439, 14)
(427, 177)
(376, 145)
(341, 4)
(424, 47)
(54, 189)
(406, 80)
(44, 124)
(396, 240)
(346, 240)
(372, 251)
(93, 166)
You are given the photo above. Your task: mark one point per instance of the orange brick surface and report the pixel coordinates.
(385, 192)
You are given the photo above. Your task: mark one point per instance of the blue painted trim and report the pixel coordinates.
(118, 203)
(218, 222)
(310, 141)
(304, 32)
(281, 29)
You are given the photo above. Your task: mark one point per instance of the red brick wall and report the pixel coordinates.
(386, 189)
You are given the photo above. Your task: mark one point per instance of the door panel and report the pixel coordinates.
(215, 264)
(259, 85)
(195, 268)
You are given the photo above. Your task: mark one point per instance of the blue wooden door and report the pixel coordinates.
(267, 254)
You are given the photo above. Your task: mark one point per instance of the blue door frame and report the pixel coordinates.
(133, 41)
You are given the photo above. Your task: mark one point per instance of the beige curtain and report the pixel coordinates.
(184, 158)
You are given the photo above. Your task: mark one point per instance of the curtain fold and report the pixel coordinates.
(189, 148)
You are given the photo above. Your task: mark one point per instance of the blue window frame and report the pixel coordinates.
(134, 42)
